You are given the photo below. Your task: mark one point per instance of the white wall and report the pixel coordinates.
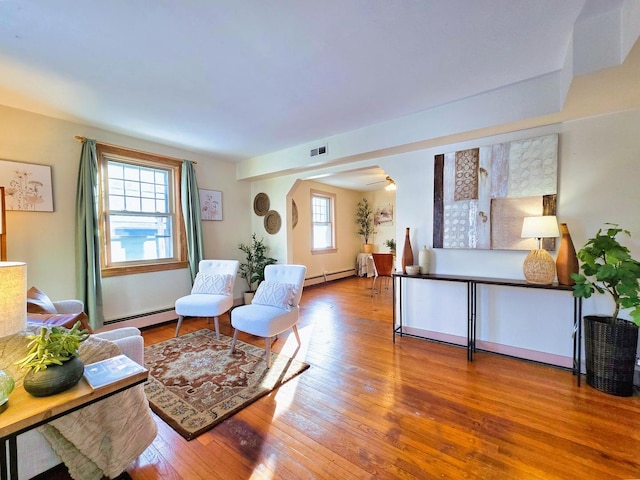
(45, 241)
(599, 168)
(294, 245)
(382, 198)
(347, 241)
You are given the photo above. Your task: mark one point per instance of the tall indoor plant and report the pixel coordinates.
(256, 259)
(364, 220)
(611, 342)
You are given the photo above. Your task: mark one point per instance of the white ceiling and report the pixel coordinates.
(241, 78)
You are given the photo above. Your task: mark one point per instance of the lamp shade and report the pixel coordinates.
(545, 226)
(13, 300)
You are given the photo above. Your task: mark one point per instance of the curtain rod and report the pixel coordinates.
(82, 139)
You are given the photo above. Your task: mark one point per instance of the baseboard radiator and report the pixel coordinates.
(329, 276)
(157, 317)
(142, 320)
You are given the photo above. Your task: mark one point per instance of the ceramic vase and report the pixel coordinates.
(54, 379)
(423, 260)
(566, 261)
(407, 252)
(6, 387)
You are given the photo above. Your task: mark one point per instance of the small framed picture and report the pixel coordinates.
(210, 204)
(383, 215)
(27, 186)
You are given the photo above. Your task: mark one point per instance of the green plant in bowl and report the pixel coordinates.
(52, 346)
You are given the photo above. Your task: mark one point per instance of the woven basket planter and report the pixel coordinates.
(610, 354)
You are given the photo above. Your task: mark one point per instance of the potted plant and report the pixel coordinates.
(252, 269)
(52, 360)
(364, 220)
(391, 245)
(610, 342)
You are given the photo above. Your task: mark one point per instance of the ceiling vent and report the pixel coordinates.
(321, 150)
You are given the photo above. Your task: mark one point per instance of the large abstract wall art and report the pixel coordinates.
(481, 195)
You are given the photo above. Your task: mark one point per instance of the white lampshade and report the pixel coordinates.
(545, 226)
(13, 299)
(539, 267)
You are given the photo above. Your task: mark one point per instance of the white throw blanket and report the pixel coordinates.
(101, 439)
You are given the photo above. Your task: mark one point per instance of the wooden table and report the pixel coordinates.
(26, 412)
(472, 283)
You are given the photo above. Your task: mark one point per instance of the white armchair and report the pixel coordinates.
(130, 341)
(40, 308)
(212, 292)
(68, 306)
(275, 306)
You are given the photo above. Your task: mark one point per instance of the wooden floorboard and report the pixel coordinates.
(369, 408)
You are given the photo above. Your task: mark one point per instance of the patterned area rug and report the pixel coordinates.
(194, 383)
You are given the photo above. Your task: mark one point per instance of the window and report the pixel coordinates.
(140, 222)
(322, 221)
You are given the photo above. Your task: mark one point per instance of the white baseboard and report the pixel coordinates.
(518, 352)
(142, 321)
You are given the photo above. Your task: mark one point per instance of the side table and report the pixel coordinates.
(26, 412)
(364, 265)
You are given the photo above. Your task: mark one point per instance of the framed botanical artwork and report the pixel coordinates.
(27, 186)
(210, 204)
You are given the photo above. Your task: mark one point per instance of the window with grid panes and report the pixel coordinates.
(322, 219)
(140, 222)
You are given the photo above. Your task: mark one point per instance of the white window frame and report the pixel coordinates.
(332, 222)
(107, 153)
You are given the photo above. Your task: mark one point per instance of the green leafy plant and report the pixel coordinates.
(607, 267)
(364, 220)
(256, 259)
(391, 245)
(53, 346)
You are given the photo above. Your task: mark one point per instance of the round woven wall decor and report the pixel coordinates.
(261, 204)
(294, 213)
(272, 222)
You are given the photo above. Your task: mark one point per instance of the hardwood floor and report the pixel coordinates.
(369, 408)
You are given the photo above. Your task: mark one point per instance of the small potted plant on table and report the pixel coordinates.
(52, 360)
(610, 342)
(391, 245)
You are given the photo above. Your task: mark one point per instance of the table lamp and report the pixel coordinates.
(539, 267)
(13, 301)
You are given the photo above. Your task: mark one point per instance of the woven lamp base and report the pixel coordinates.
(539, 267)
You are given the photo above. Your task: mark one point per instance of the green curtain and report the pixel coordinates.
(191, 213)
(88, 274)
